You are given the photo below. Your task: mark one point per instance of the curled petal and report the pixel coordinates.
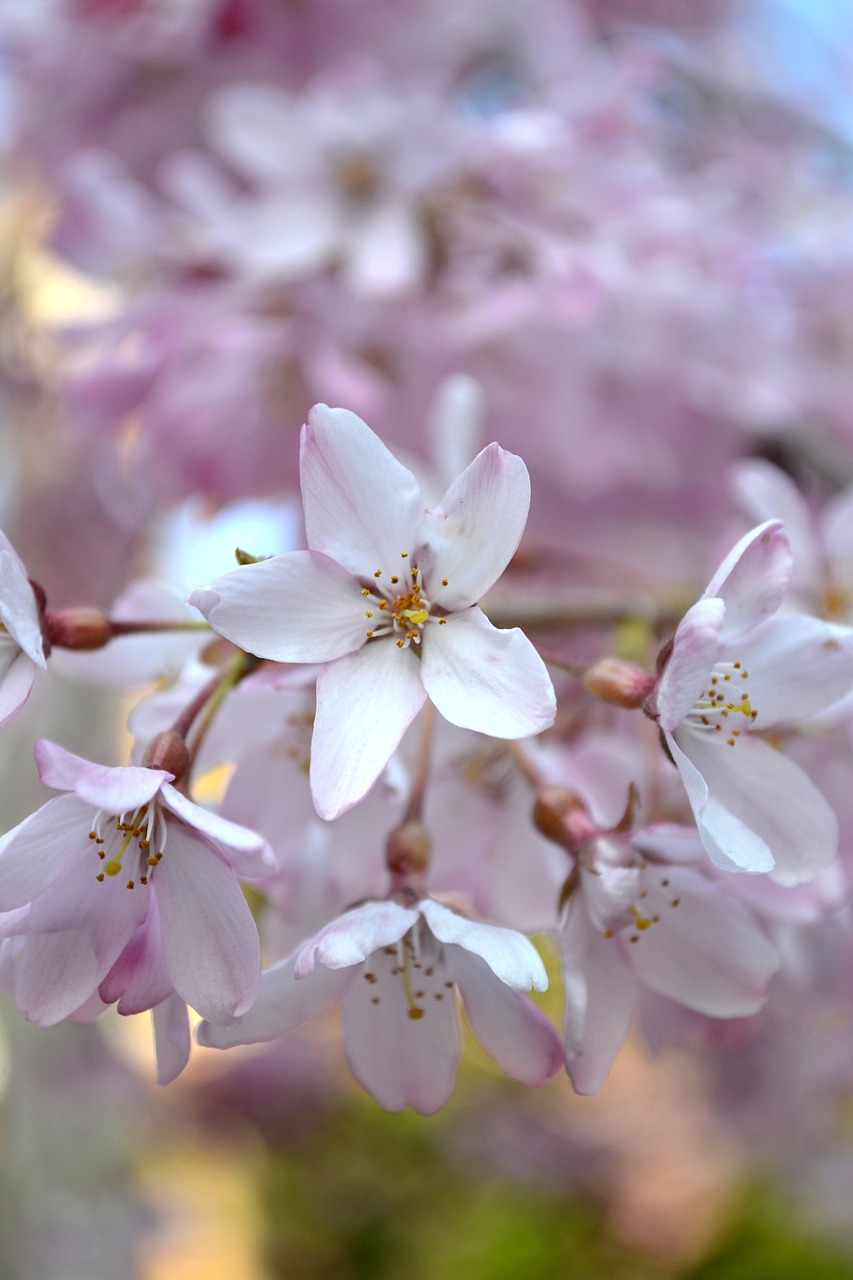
(171, 1038)
(753, 578)
(115, 790)
(356, 935)
(16, 681)
(694, 652)
(511, 957)
(488, 680)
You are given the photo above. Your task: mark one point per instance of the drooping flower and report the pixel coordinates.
(387, 596)
(393, 968)
(126, 888)
(645, 914)
(21, 643)
(736, 668)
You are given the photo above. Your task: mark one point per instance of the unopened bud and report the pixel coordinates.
(408, 849)
(561, 816)
(169, 752)
(80, 627)
(619, 681)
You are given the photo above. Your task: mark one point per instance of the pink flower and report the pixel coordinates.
(21, 644)
(393, 969)
(735, 670)
(386, 596)
(125, 888)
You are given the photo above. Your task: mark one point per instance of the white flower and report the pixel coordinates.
(735, 670)
(386, 596)
(393, 969)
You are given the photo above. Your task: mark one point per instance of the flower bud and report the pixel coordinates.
(408, 849)
(619, 681)
(80, 627)
(169, 752)
(561, 816)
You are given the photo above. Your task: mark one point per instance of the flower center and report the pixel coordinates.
(115, 836)
(725, 698)
(403, 610)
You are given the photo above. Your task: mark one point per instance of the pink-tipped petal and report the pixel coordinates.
(210, 941)
(509, 1026)
(472, 536)
(488, 680)
(296, 607)
(365, 703)
(362, 506)
(113, 789)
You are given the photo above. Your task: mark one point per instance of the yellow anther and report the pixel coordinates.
(377, 573)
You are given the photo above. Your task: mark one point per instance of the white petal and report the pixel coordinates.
(753, 578)
(362, 506)
(387, 250)
(55, 974)
(210, 941)
(705, 951)
(282, 1004)
(399, 1059)
(694, 652)
(171, 1038)
(470, 538)
(354, 936)
(798, 666)
(510, 956)
(296, 607)
(36, 852)
(768, 493)
(262, 131)
(365, 703)
(509, 1026)
(484, 679)
(774, 799)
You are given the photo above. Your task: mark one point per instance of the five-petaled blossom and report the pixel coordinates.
(733, 671)
(21, 643)
(387, 596)
(126, 889)
(393, 968)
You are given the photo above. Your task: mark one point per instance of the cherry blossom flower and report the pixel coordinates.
(125, 888)
(393, 968)
(21, 643)
(735, 670)
(640, 919)
(387, 596)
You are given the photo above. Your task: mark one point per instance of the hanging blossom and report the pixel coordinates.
(735, 669)
(386, 596)
(126, 890)
(644, 913)
(393, 967)
(21, 643)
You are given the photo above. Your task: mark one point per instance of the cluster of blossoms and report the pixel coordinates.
(410, 797)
